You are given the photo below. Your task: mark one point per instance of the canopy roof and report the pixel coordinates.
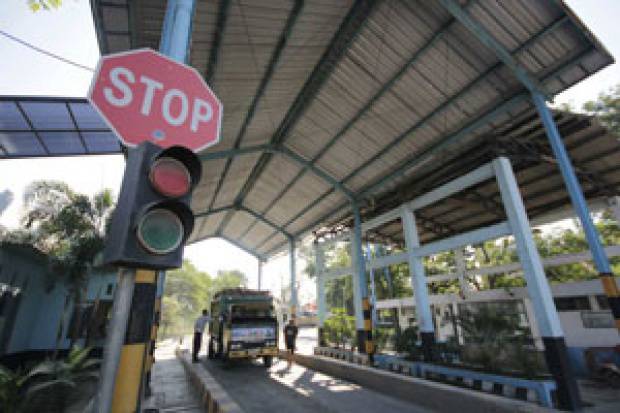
(331, 101)
(46, 126)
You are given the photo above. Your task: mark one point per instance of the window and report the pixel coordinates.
(597, 319)
(109, 289)
(572, 303)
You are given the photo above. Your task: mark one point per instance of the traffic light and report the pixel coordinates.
(153, 218)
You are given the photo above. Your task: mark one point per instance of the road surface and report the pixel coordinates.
(293, 389)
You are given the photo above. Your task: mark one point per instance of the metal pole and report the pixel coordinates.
(581, 207)
(418, 283)
(260, 274)
(176, 33)
(320, 290)
(364, 336)
(115, 337)
(292, 253)
(538, 288)
(373, 292)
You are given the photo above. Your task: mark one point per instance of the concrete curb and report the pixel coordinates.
(435, 396)
(212, 396)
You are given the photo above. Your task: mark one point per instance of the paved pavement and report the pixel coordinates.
(172, 392)
(294, 388)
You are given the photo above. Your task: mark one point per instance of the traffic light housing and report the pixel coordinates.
(153, 218)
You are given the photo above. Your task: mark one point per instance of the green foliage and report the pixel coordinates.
(11, 389)
(607, 108)
(407, 343)
(67, 226)
(188, 291)
(339, 328)
(49, 386)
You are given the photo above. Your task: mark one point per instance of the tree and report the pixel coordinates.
(67, 226)
(607, 108)
(188, 291)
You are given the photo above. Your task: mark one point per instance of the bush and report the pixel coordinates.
(408, 343)
(339, 329)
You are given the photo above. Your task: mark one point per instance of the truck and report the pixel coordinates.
(243, 325)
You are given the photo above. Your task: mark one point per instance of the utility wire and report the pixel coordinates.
(45, 52)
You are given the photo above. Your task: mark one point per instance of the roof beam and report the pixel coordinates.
(455, 9)
(260, 91)
(231, 153)
(216, 44)
(240, 246)
(213, 211)
(427, 118)
(440, 146)
(346, 33)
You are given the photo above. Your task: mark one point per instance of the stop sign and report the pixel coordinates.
(145, 96)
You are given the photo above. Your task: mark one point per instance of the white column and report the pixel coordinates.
(537, 285)
(320, 282)
(416, 271)
(260, 274)
(461, 268)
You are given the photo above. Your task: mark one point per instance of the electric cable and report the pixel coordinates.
(44, 52)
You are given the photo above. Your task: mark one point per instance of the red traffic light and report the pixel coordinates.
(170, 177)
(174, 172)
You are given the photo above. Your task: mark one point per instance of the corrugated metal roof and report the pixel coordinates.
(361, 90)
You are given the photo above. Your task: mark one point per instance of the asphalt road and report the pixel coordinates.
(284, 388)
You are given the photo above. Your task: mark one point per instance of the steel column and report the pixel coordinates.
(373, 292)
(319, 258)
(364, 334)
(461, 268)
(538, 288)
(260, 274)
(293, 304)
(581, 207)
(418, 283)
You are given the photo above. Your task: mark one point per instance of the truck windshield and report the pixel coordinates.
(252, 311)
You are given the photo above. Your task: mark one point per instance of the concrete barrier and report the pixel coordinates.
(212, 396)
(435, 396)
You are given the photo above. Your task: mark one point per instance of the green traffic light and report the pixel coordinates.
(160, 231)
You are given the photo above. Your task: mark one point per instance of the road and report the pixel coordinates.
(284, 388)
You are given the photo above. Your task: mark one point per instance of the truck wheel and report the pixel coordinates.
(267, 361)
(210, 349)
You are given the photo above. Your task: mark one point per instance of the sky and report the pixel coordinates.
(69, 32)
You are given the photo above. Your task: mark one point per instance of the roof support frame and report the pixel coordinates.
(214, 54)
(421, 123)
(344, 36)
(455, 9)
(506, 106)
(260, 91)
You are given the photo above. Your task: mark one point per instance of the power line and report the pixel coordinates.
(45, 52)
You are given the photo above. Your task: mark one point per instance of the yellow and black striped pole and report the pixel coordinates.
(150, 357)
(369, 344)
(130, 371)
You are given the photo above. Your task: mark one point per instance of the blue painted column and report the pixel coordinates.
(538, 288)
(418, 283)
(373, 291)
(294, 304)
(177, 29)
(319, 258)
(581, 207)
(364, 336)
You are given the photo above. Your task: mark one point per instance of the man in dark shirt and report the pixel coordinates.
(290, 335)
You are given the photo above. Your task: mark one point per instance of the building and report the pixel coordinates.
(37, 311)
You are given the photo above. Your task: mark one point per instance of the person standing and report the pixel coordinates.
(199, 327)
(290, 336)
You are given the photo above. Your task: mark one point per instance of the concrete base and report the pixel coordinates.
(435, 396)
(214, 398)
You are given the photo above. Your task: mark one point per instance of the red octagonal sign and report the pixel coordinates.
(145, 96)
